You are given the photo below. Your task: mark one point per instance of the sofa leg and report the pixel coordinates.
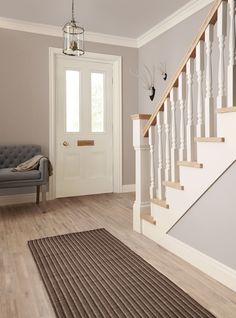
(37, 194)
(44, 192)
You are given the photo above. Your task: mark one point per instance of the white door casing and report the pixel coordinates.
(98, 63)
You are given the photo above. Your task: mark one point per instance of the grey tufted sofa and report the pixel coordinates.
(10, 157)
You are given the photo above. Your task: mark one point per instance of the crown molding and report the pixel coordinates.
(51, 30)
(177, 17)
(111, 39)
(30, 27)
(44, 29)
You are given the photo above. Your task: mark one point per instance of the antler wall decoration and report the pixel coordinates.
(163, 71)
(148, 79)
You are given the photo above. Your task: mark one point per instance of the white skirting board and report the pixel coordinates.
(128, 188)
(218, 271)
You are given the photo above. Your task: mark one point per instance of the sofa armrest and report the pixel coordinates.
(43, 168)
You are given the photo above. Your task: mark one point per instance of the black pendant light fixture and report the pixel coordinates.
(73, 35)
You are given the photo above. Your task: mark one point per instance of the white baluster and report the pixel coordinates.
(232, 56)
(182, 100)
(161, 188)
(190, 127)
(209, 101)
(174, 150)
(221, 33)
(167, 120)
(200, 69)
(151, 135)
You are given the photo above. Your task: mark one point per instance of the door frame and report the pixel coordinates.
(116, 62)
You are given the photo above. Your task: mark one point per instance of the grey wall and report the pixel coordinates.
(209, 226)
(24, 91)
(170, 48)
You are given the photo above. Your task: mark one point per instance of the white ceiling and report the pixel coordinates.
(127, 18)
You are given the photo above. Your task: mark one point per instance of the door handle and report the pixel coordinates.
(65, 143)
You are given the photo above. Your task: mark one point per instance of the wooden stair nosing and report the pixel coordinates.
(149, 218)
(209, 139)
(226, 110)
(161, 203)
(174, 185)
(190, 164)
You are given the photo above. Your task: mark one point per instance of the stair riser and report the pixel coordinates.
(225, 123)
(227, 128)
(149, 230)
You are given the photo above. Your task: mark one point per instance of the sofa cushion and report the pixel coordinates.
(6, 174)
(13, 155)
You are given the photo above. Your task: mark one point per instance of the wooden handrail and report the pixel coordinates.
(191, 53)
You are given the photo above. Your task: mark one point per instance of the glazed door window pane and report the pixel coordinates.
(72, 101)
(97, 102)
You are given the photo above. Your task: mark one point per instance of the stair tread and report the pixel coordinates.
(149, 218)
(174, 185)
(191, 164)
(209, 139)
(226, 110)
(161, 203)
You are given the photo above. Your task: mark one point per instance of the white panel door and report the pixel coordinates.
(84, 163)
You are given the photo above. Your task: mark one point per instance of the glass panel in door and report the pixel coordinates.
(97, 102)
(72, 101)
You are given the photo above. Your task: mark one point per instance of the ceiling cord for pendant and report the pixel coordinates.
(73, 11)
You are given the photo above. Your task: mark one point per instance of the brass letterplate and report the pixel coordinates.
(82, 143)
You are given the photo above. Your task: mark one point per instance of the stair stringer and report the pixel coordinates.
(216, 158)
(206, 264)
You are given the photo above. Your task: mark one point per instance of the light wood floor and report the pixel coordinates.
(22, 293)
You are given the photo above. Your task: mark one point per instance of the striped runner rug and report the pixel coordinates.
(93, 274)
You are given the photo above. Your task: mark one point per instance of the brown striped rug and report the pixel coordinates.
(93, 274)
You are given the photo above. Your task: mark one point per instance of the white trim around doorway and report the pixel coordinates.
(116, 62)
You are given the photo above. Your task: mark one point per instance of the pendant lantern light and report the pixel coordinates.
(73, 35)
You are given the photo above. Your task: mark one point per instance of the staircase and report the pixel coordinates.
(190, 139)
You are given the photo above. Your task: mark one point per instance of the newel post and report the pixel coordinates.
(142, 169)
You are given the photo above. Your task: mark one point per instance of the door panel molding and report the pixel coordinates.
(116, 62)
